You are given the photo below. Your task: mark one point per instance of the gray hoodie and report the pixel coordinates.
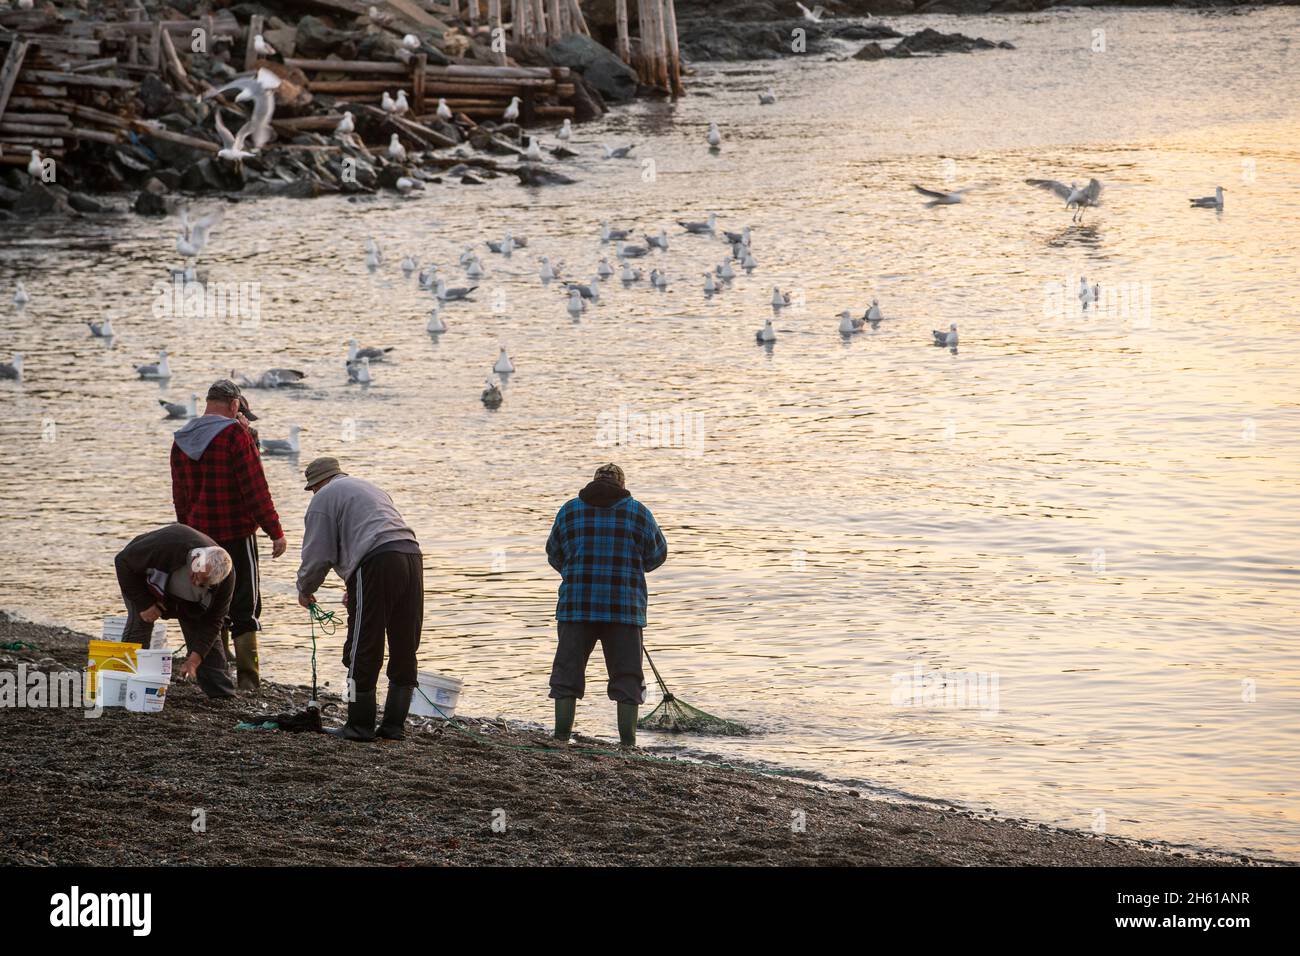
(346, 520)
(197, 434)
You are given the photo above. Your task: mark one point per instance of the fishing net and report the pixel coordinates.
(307, 720)
(678, 717)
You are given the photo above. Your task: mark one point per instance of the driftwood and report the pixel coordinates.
(9, 72)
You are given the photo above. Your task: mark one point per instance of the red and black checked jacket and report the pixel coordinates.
(224, 494)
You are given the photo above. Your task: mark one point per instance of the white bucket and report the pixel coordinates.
(112, 688)
(151, 663)
(145, 695)
(436, 695)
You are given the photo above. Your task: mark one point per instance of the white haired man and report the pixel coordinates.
(177, 572)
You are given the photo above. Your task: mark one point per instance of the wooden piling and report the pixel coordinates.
(255, 23)
(624, 44)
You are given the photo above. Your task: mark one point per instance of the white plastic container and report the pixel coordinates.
(146, 695)
(112, 688)
(436, 695)
(154, 663)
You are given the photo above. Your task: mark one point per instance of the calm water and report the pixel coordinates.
(1099, 513)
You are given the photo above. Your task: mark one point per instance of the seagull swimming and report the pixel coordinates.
(714, 137)
(658, 279)
(738, 238)
(1209, 202)
(458, 294)
(591, 291)
(610, 233)
(617, 152)
(767, 97)
(13, 369)
(435, 325)
(491, 396)
(624, 251)
(850, 325)
(503, 364)
(475, 269)
(938, 198)
(101, 330)
(658, 242)
(710, 287)
(630, 275)
(547, 272)
(1074, 195)
(359, 371)
(182, 410)
(724, 270)
(766, 334)
(709, 226)
(282, 446)
(604, 269)
(21, 298)
(155, 370)
(947, 339)
(271, 378)
(779, 299)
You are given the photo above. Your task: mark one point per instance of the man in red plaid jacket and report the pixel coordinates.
(219, 488)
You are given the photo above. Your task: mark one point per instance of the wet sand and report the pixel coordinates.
(121, 790)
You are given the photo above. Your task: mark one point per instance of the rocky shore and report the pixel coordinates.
(127, 789)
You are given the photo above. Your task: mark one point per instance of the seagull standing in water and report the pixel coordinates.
(947, 339)
(1080, 197)
(1209, 202)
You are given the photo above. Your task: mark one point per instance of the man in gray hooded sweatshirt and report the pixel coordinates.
(219, 488)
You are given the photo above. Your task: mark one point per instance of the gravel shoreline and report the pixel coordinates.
(121, 790)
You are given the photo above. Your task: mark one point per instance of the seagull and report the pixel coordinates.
(608, 232)
(435, 325)
(271, 378)
(35, 165)
(658, 279)
(767, 98)
(737, 238)
(14, 368)
(709, 226)
(1074, 195)
(475, 269)
(941, 198)
(766, 334)
(658, 242)
(548, 273)
(232, 146)
(511, 114)
(491, 396)
(261, 47)
(575, 305)
(710, 287)
(534, 152)
(1209, 202)
(359, 371)
(947, 339)
(748, 263)
(714, 137)
(814, 15)
(374, 354)
(624, 251)
(565, 131)
(260, 89)
(452, 295)
(409, 265)
(724, 270)
(156, 370)
(396, 151)
(396, 107)
(873, 314)
(591, 291)
(411, 41)
(346, 126)
(444, 111)
(618, 152)
(630, 275)
(779, 299)
(850, 325)
(193, 238)
(503, 364)
(21, 298)
(504, 247)
(101, 330)
(182, 410)
(1085, 293)
(282, 446)
(603, 269)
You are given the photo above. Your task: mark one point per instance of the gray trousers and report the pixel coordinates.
(214, 672)
(621, 644)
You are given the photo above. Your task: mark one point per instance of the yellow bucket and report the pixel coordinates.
(110, 656)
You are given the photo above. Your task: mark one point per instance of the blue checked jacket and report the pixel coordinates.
(604, 555)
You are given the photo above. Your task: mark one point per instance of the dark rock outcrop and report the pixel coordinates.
(600, 67)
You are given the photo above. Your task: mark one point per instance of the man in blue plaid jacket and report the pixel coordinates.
(603, 543)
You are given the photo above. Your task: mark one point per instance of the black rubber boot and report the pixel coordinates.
(565, 709)
(396, 707)
(361, 718)
(627, 724)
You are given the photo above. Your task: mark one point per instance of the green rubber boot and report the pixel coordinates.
(565, 709)
(627, 724)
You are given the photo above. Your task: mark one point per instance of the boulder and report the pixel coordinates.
(533, 175)
(872, 51)
(39, 199)
(607, 74)
(588, 104)
(156, 97)
(315, 40)
(85, 204)
(932, 41)
(153, 200)
(211, 174)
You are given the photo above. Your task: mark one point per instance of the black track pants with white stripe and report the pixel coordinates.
(385, 594)
(246, 602)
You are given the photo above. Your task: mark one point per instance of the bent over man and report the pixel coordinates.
(355, 529)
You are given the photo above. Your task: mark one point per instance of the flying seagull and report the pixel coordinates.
(941, 198)
(1074, 195)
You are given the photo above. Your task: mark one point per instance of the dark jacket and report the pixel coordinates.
(604, 542)
(164, 551)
